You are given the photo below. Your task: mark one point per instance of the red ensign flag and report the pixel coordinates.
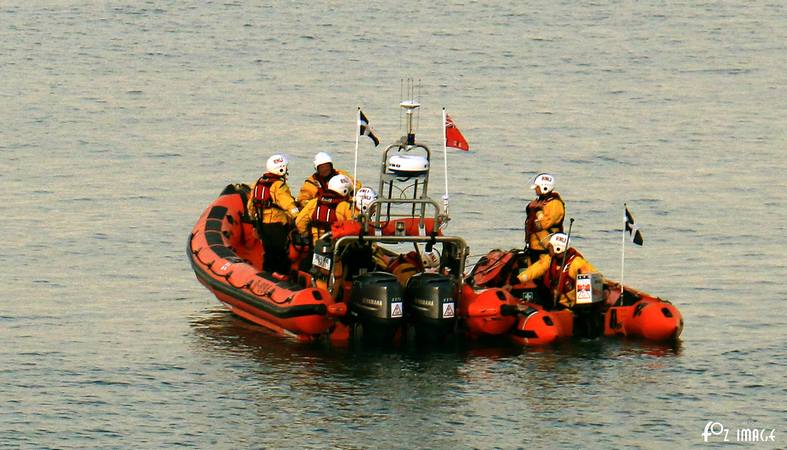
(453, 137)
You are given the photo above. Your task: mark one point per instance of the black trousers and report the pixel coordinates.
(274, 241)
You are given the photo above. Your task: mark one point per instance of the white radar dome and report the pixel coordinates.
(408, 165)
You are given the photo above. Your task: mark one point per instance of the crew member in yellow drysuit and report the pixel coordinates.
(272, 209)
(544, 215)
(548, 268)
(318, 181)
(331, 206)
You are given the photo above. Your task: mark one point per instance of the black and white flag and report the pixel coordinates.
(366, 129)
(632, 230)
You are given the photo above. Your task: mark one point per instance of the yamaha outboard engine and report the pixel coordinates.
(589, 307)
(431, 306)
(376, 304)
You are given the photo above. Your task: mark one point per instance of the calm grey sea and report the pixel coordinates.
(121, 121)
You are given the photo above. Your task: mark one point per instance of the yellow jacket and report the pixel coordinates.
(344, 211)
(283, 209)
(311, 186)
(544, 219)
(577, 264)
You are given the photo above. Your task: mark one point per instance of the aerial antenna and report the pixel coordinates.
(401, 99)
(409, 106)
(418, 100)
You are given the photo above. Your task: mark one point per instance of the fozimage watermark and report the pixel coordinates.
(716, 432)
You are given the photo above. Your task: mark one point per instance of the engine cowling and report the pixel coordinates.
(377, 304)
(431, 304)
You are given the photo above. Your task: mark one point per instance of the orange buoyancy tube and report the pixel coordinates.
(487, 311)
(535, 326)
(650, 318)
(286, 308)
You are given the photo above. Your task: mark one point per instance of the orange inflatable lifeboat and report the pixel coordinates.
(636, 314)
(401, 274)
(227, 259)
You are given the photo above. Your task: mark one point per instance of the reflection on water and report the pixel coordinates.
(219, 329)
(451, 387)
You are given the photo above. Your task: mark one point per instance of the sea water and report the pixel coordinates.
(121, 122)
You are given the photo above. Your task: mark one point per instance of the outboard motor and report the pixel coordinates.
(431, 305)
(321, 263)
(589, 307)
(376, 304)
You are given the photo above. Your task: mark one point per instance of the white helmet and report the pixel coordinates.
(545, 181)
(364, 199)
(559, 242)
(431, 259)
(322, 158)
(277, 164)
(340, 184)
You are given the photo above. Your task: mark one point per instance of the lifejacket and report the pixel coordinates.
(552, 276)
(262, 193)
(538, 204)
(324, 214)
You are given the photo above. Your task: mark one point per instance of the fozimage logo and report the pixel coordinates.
(713, 429)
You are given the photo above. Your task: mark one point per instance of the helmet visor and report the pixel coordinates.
(532, 181)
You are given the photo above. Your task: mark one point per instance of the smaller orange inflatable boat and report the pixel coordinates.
(602, 312)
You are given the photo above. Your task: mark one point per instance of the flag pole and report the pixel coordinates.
(623, 253)
(357, 135)
(445, 168)
(558, 291)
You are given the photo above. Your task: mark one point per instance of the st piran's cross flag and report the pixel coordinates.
(367, 130)
(632, 230)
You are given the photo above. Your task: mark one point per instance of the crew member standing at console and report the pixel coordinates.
(318, 181)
